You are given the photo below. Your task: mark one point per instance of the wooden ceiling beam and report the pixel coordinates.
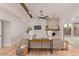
(26, 9)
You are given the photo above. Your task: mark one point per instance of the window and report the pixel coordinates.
(67, 29)
(76, 29)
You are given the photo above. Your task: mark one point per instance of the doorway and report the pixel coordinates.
(4, 30)
(71, 33)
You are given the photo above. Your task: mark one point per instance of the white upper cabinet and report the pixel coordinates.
(53, 23)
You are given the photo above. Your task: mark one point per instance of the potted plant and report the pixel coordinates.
(29, 29)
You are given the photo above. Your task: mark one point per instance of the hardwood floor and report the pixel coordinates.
(11, 51)
(70, 52)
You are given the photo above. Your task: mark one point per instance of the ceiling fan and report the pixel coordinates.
(42, 16)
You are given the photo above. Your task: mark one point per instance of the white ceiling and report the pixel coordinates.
(65, 10)
(16, 10)
(59, 9)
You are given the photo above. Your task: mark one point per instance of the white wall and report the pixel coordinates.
(41, 22)
(18, 31)
(42, 32)
(13, 32)
(6, 33)
(15, 27)
(14, 10)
